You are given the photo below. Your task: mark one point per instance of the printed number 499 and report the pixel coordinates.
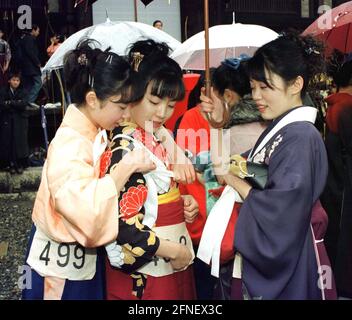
(63, 252)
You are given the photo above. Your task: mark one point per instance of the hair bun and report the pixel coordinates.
(149, 49)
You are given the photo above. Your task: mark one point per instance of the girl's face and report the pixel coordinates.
(275, 101)
(152, 112)
(110, 113)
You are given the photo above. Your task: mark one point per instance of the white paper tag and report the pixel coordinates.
(62, 260)
(160, 267)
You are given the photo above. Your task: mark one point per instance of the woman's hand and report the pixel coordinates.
(220, 179)
(183, 258)
(191, 208)
(240, 185)
(184, 172)
(139, 159)
(212, 105)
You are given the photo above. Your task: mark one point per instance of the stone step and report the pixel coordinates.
(28, 181)
(4, 246)
(20, 196)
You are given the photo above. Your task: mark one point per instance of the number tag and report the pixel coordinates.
(160, 267)
(62, 260)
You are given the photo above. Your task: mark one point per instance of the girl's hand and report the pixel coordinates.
(191, 208)
(183, 258)
(240, 185)
(221, 180)
(212, 105)
(139, 159)
(184, 172)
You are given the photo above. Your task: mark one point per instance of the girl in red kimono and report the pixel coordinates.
(156, 246)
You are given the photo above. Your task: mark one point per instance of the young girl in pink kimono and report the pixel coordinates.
(75, 211)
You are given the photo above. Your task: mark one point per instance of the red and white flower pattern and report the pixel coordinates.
(105, 161)
(132, 201)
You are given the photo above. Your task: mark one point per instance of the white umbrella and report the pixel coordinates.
(117, 35)
(225, 41)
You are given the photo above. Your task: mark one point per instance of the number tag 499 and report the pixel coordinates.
(63, 260)
(65, 254)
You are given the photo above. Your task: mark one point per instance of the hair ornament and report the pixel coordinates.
(82, 59)
(234, 63)
(310, 50)
(91, 81)
(109, 59)
(137, 59)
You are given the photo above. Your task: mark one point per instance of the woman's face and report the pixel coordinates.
(152, 112)
(271, 102)
(111, 113)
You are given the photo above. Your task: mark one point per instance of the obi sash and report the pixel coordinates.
(169, 225)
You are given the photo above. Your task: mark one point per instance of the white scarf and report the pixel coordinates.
(218, 219)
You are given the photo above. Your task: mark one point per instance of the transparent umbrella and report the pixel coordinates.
(225, 41)
(117, 35)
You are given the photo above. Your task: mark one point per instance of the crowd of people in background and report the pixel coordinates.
(20, 87)
(290, 112)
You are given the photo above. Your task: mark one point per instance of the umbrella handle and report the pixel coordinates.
(225, 118)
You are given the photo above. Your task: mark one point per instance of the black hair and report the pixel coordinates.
(89, 68)
(194, 95)
(15, 74)
(289, 56)
(343, 77)
(157, 68)
(226, 76)
(35, 27)
(157, 21)
(60, 37)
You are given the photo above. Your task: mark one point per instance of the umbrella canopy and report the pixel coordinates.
(225, 41)
(117, 35)
(334, 27)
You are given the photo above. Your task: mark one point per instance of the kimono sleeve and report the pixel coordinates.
(273, 228)
(87, 204)
(139, 243)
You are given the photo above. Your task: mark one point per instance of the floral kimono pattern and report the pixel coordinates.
(139, 243)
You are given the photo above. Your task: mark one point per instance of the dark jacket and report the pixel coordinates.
(13, 125)
(30, 63)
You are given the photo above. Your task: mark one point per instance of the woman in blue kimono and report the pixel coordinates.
(279, 232)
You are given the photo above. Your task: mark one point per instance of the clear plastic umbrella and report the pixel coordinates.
(117, 35)
(225, 41)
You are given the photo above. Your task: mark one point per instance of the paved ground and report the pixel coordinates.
(15, 223)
